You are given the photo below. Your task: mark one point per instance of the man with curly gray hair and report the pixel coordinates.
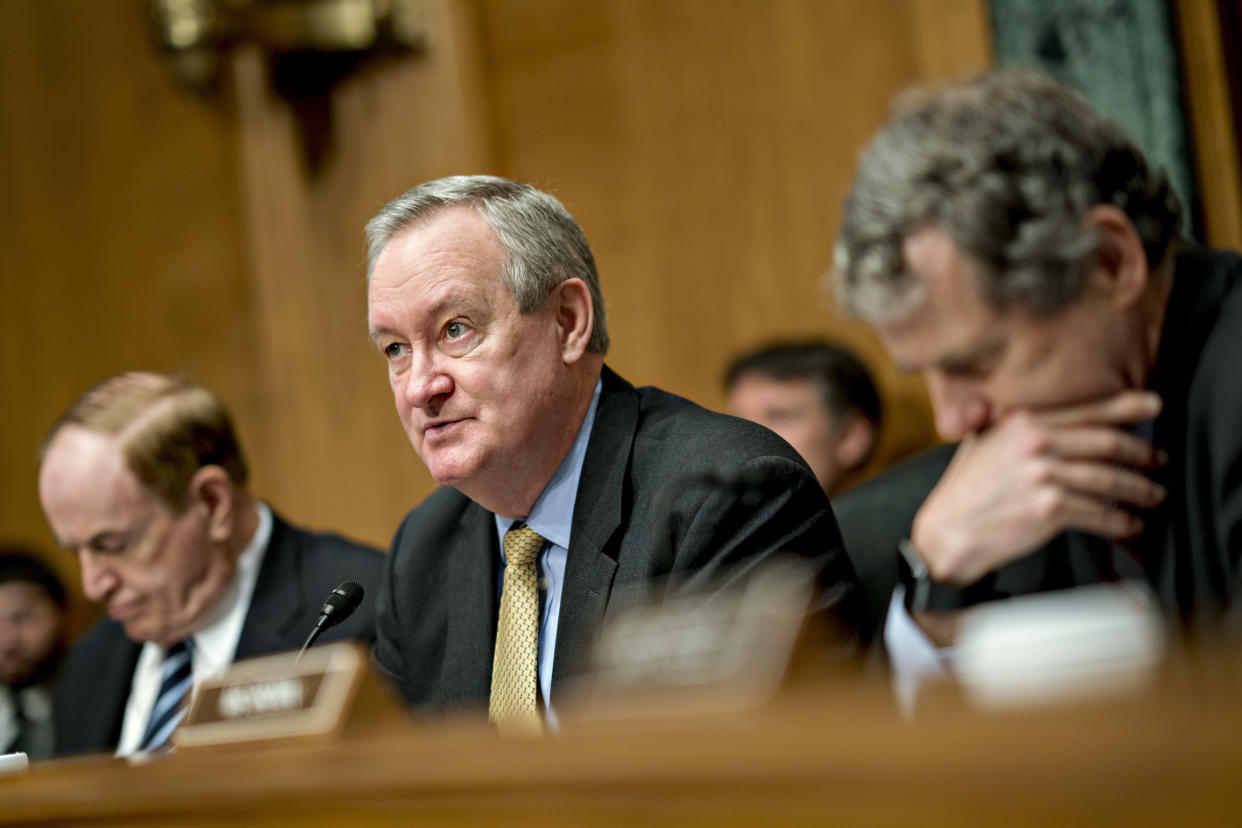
(1013, 246)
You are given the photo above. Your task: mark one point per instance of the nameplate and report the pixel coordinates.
(723, 650)
(275, 697)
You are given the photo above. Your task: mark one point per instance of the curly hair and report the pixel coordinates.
(1007, 164)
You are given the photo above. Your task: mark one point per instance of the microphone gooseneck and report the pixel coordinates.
(340, 604)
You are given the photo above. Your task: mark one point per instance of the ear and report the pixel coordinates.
(856, 435)
(1121, 268)
(213, 490)
(575, 318)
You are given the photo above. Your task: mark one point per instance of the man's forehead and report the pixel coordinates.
(928, 247)
(454, 236)
(932, 338)
(86, 485)
(764, 384)
(75, 451)
(952, 322)
(433, 268)
(15, 595)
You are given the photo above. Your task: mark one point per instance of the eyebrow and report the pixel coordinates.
(453, 304)
(963, 359)
(93, 541)
(375, 333)
(973, 355)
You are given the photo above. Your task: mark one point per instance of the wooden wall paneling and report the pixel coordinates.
(1218, 152)
(118, 236)
(706, 148)
(331, 450)
(951, 38)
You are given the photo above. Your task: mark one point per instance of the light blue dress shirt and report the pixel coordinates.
(552, 517)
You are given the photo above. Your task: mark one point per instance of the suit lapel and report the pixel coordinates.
(278, 618)
(471, 604)
(109, 692)
(590, 568)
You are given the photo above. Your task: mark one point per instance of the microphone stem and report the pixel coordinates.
(310, 639)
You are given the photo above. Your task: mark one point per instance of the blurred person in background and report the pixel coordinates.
(33, 613)
(818, 397)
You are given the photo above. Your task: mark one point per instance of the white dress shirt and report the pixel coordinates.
(914, 658)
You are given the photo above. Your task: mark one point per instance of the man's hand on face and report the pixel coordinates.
(1032, 475)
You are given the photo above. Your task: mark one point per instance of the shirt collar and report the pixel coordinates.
(553, 513)
(217, 641)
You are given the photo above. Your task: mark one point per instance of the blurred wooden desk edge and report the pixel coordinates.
(825, 751)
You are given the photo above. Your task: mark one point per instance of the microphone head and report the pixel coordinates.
(341, 603)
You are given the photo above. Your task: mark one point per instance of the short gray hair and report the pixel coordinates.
(543, 244)
(1007, 164)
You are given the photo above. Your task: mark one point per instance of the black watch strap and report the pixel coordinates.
(925, 595)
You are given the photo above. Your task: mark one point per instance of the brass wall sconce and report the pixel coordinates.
(197, 34)
(309, 46)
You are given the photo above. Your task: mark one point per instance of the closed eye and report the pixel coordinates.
(108, 544)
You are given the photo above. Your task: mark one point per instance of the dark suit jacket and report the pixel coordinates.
(1191, 545)
(638, 515)
(298, 572)
(874, 517)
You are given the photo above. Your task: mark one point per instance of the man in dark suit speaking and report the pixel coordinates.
(566, 489)
(143, 478)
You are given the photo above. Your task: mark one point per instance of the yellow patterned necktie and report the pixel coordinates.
(515, 667)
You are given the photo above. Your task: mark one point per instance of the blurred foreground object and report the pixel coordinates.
(823, 752)
(718, 651)
(1065, 646)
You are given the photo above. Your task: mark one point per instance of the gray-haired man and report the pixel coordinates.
(485, 303)
(1013, 245)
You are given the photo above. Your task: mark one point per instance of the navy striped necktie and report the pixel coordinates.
(175, 681)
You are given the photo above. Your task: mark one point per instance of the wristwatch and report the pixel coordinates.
(925, 595)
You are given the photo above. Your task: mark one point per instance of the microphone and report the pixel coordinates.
(340, 604)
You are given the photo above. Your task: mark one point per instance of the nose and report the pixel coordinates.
(98, 579)
(426, 383)
(959, 407)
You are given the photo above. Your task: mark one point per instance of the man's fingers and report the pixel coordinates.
(1068, 510)
(1107, 483)
(1104, 443)
(1124, 408)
